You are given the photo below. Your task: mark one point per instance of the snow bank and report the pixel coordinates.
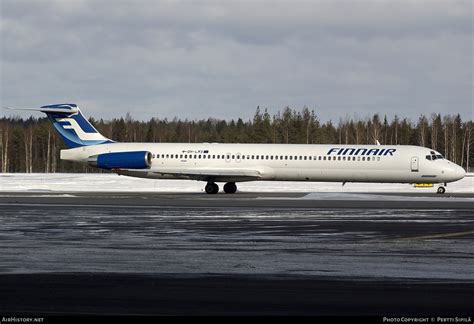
(72, 182)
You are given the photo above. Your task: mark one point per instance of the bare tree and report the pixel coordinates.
(48, 153)
(469, 141)
(28, 140)
(376, 129)
(395, 128)
(359, 130)
(422, 130)
(435, 129)
(54, 155)
(5, 142)
(340, 127)
(446, 122)
(1, 146)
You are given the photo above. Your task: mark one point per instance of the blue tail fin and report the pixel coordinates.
(71, 125)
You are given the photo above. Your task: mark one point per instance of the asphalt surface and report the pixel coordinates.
(132, 294)
(245, 254)
(247, 199)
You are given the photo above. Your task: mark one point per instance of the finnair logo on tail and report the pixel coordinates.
(79, 131)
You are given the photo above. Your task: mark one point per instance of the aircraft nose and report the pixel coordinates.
(459, 172)
(455, 172)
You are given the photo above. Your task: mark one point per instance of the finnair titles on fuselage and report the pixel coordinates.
(361, 151)
(231, 163)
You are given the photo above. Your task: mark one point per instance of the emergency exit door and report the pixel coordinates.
(414, 164)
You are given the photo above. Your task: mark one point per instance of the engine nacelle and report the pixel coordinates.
(122, 160)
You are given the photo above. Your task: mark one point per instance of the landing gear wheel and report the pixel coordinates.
(230, 187)
(441, 190)
(211, 188)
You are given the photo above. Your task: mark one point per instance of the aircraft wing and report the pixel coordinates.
(203, 174)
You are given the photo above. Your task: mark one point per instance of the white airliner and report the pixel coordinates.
(231, 163)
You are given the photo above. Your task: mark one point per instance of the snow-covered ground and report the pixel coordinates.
(72, 182)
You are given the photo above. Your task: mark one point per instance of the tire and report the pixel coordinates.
(441, 190)
(211, 188)
(230, 187)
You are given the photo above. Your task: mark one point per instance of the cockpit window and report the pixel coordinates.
(434, 156)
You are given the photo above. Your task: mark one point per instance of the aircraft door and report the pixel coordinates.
(414, 163)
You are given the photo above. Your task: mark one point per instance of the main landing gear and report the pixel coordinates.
(212, 188)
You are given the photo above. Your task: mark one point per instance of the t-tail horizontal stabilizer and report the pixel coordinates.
(74, 129)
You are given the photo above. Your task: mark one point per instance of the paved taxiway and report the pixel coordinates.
(249, 200)
(250, 253)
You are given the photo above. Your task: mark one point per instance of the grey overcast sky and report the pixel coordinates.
(221, 59)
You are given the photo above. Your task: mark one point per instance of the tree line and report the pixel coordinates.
(32, 145)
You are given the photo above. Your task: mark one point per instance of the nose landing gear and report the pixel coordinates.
(441, 190)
